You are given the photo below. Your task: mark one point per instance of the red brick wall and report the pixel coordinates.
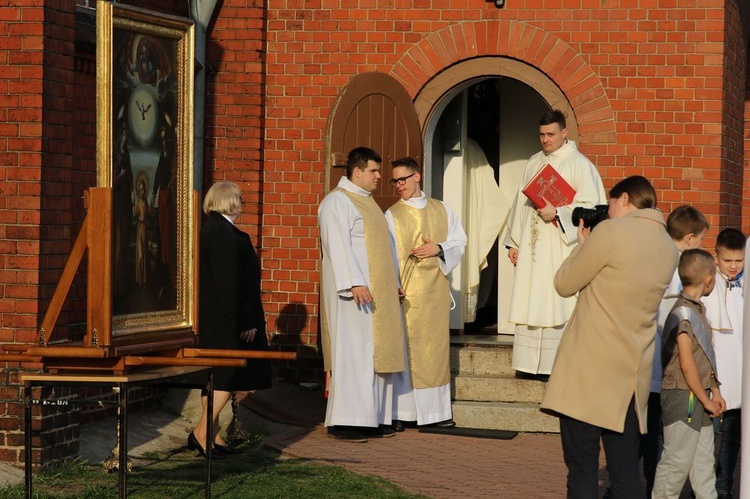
(733, 74)
(36, 88)
(646, 82)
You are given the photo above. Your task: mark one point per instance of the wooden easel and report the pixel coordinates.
(99, 351)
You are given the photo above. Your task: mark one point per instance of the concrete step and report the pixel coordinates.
(482, 361)
(496, 389)
(504, 416)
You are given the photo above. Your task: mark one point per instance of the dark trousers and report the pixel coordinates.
(580, 443)
(728, 450)
(653, 441)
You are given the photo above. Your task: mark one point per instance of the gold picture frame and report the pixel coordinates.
(145, 158)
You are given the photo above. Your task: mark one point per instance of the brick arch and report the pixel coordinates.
(523, 42)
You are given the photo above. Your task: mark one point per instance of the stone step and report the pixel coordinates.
(504, 416)
(496, 389)
(482, 361)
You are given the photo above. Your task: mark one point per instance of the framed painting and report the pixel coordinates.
(145, 156)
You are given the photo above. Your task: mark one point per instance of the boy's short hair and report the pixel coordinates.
(731, 239)
(407, 162)
(694, 266)
(685, 220)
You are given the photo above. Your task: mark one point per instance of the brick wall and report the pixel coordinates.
(646, 81)
(657, 90)
(36, 89)
(732, 151)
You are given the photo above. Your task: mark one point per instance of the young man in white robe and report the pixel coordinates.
(724, 311)
(362, 325)
(538, 240)
(430, 243)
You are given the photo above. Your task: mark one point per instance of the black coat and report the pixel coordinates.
(230, 302)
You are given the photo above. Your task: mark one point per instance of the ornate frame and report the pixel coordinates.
(144, 150)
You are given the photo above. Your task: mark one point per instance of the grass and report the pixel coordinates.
(256, 473)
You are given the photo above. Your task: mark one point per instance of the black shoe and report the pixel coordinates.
(725, 495)
(227, 450)
(443, 425)
(194, 444)
(382, 431)
(398, 425)
(346, 433)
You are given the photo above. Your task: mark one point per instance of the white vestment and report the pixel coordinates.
(724, 307)
(357, 395)
(428, 405)
(667, 302)
(745, 446)
(487, 210)
(536, 308)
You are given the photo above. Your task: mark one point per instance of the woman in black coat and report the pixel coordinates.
(231, 312)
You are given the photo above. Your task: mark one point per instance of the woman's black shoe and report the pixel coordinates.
(226, 449)
(194, 444)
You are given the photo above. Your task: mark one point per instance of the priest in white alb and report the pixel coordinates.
(538, 240)
(361, 319)
(430, 243)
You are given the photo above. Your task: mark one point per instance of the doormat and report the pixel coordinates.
(472, 432)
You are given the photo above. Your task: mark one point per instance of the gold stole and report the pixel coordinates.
(427, 302)
(387, 326)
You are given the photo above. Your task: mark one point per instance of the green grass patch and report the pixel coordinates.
(256, 473)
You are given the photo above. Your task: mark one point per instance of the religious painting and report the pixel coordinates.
(145, 155)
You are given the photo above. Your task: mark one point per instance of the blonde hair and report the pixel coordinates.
(224, 198)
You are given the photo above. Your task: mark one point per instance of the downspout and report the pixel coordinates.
(201, 11)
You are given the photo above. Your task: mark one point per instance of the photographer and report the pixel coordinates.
(601, 377)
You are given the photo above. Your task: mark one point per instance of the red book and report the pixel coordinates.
(549, 183)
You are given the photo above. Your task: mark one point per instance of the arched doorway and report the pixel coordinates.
(374, 111)
(494, 103)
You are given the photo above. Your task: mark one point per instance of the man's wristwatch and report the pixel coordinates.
(441, 254)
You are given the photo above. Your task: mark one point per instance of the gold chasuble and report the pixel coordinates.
(387, 326)
(427, 302)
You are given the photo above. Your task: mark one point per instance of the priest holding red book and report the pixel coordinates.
(540, 236)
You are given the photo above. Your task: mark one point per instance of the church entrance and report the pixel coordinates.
(478, 138)
(472, 127)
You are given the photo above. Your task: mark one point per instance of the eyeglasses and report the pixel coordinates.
(400, 181)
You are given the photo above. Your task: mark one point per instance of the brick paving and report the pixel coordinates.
(438, 466)
(444, 466)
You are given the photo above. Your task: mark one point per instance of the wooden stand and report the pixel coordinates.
(100, 351)
(185, 377)
(151, 358)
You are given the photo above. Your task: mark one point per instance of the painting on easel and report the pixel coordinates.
(144, 154)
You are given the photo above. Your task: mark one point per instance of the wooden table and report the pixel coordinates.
(174, 376)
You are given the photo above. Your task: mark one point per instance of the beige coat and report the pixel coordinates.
(606, 352)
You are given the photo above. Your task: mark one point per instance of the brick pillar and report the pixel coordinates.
(36, 88)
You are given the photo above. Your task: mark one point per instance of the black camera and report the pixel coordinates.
(590, 216)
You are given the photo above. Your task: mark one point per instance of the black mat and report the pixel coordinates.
(472, 432)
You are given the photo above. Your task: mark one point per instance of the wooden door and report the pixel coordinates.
(374, 111)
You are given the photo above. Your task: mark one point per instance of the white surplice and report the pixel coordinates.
(745, 415)
(537, 310)
(486, 213)
(667, 302)
(724, 311)
(428, 405)
(357, 395)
